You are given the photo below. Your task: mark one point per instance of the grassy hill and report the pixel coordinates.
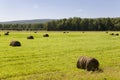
(27, 21)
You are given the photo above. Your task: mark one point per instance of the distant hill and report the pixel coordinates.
(27, 21)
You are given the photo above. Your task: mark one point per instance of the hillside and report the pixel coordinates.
(27, 21)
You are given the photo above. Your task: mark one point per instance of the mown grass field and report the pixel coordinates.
(55, 57)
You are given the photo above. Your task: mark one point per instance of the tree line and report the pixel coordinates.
(72, 24)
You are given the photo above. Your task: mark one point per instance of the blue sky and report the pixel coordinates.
(57, 9)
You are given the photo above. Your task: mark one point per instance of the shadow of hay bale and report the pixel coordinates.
(30, 37)
(88, 63)
(15, 43)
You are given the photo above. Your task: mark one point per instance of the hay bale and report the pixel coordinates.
(88, 63)
(35, 32)
(106, 31)
(15, 43)
(6, 33)
(117, 34)
(111, 33)
(46, 35)
(67, 32)
(30, 37)
(64, 32)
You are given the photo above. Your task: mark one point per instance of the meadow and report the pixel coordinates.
(55, 57)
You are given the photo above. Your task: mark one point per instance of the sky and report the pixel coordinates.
(11, 10)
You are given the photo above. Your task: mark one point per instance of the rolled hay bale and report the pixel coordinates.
(117, 34)
(35, 32)
(111, 33)
(64, 32)
(88, 63)
(6, 33)
(30, 37)
(46, 35)
(106, 31)
(15, 43)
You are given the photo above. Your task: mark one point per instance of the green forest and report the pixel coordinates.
(71, 24)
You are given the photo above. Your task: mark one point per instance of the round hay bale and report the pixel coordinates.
(111, 33)
(30, 37)
(35, 32)
(15, 43)
(88, 63)
(6, 33)
(106, 31)
(117, 34)
(64, 32)
(46, 35)
(81, 63)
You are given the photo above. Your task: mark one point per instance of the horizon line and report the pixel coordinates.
(53, 18)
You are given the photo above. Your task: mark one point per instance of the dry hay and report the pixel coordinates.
(6, 33)
(15, 43)
(46, 35)
(88, 63)
(30, 37)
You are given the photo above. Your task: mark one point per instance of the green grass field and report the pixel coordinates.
(55, 57)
